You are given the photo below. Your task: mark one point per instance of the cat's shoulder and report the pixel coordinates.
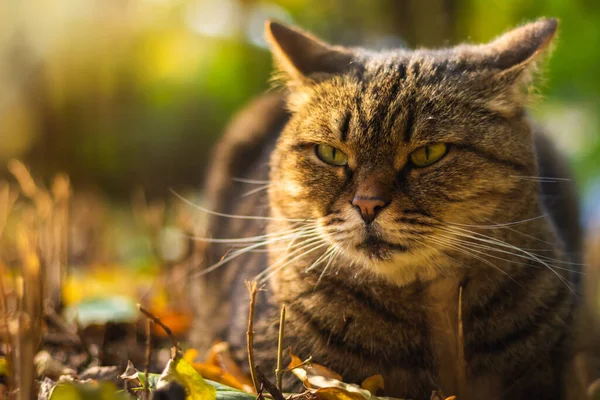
(245, 137)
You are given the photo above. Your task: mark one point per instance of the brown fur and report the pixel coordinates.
(362, 306)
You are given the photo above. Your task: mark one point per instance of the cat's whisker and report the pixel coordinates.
(490, 240)
(472, 246)
(240, 252)
(548, 259)
(250, 238)
(548, 179)
(297, 248)
(318, 261)
(256, 190)
(310, 250)
(250, 181)
(495, 226)
(332, 256)
(468, 252)
(233, 216)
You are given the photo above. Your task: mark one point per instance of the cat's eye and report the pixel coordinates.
(427, 155)
(331, 155)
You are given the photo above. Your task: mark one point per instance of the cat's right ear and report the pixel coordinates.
(302, 58)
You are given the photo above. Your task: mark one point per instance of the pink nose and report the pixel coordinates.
(369, 207)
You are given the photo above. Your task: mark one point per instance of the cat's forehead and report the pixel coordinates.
(400, 96)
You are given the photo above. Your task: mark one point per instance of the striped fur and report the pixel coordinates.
(477, 221)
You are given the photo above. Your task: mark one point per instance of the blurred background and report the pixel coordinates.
(110, 103)
(121, 93)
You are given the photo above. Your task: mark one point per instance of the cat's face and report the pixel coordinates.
(385, 157)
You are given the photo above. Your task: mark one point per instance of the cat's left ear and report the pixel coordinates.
(516, 53)
(302, 58)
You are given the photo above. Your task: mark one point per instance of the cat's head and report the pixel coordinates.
(387, 151)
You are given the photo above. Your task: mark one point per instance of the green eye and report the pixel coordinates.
(331, 155)
(429, 154)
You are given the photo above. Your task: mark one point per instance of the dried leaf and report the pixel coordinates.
(373, 384)
(337, 393)
(310, 371)
(47, 366)
(98, 373)
(131, 374)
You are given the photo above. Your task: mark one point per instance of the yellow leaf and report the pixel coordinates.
(190, 355)
(373, 384)
(336, 393)
(181, 371)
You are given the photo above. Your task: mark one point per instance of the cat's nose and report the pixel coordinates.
(369, 207)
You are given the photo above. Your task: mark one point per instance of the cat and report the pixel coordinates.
(379, 193)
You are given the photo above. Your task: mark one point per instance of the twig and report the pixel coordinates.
(6, 332)
(148, 354)
(460, 350)
(308, 361)
(271, 388)
(252, 289)
(158, 322)
(279, 371)
(259, 395)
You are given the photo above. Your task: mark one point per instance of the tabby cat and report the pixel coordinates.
(380, 194)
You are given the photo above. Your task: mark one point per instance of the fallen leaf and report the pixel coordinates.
(220, 367)
(181, 371)
(336, 393)
(326, 387)
(98, 373)
(225, 392)
(373, 384)
(86, 391)
(310, 370)
(47, 366)
(132, 375)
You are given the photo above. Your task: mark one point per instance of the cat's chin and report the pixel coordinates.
(399, 268)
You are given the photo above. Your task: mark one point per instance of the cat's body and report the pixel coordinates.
(390, 305)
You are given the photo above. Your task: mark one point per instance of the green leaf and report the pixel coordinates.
(152, 379)
(181, 371)
(225, 392)
(78, 391)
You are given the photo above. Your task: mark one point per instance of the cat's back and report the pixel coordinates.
(242, 145)
(236, 189)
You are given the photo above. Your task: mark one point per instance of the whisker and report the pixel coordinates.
(243, 251)
(494, 226)
(253, 217)
(548, 179)
(320, 259)
(491, 240)
(333, 254)
(548, 259)
(469, 253)
(247, 239)
(267, 277)
(256, 190)
(250, 181)
(298, 248)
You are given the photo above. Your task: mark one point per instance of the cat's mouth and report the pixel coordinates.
(376, 248)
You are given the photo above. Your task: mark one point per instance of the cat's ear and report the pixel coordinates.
(301, 57)
(512, 60)
(517, 52)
